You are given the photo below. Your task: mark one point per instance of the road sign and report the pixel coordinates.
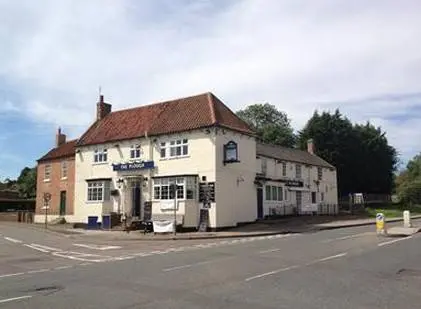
(380, 223)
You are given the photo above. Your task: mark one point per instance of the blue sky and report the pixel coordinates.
(361, 56)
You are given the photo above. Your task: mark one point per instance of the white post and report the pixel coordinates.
(407, 219)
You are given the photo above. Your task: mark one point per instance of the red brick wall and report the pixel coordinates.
(55, 185)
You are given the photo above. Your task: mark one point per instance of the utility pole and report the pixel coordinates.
(175, 208)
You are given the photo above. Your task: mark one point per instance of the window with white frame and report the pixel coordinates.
(284, 169)
(47, 172)
(297, 170)
(100, 155)
(175, 148)
(98, 191)
(186, 188)
(135, 151)
(64, 169)
(286, 194)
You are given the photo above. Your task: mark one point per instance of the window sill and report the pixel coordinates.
(63, 178)
(174, 158)
(99, 163)
(47, 180)
(95, 202)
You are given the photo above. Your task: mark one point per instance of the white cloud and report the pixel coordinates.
(299, 55)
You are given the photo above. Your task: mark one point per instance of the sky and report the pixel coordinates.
(363, 57)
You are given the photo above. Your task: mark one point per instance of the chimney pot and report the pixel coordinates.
(60, 138)
(310, 146)
(102, 108)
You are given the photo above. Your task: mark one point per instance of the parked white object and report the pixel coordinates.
(407, 219)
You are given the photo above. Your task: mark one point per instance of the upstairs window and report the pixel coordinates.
(174, 148)
(47, 172)
(319, 173)
(135, 151)
(100, 155)
(284, 169)
(298, 171)
(64, 169)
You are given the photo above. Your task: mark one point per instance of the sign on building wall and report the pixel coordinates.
(207, 193)
(294, 183)
(230, 152)
(133, 166)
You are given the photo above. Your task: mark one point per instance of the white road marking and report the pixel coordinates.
(38, 271)
(17, 241)
(63, 267)
(36, 248)
(85, 264)
(327, 258)
(347, 237)
(194, 264)
(270, 250)
(393, 241)
(14, 298)
(271, 273)
(97, 247)
(11, 275)
(46, 247)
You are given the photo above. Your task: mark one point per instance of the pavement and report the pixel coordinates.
(307, 224)
(333, 269)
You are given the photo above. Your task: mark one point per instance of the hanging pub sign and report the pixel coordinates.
(132, 166)
(230, 152)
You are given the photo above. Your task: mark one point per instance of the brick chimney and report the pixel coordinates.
(60, 138)
(310, 146)
(102, 108)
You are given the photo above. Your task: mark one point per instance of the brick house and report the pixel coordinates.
(56, 176)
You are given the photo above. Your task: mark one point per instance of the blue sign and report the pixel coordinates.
(133, 166)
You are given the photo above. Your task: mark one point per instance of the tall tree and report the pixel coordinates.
(27, 182)
(271, 125)
(408, 183)
(364, 160)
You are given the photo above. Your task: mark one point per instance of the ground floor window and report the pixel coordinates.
(313, 197)
(274, 193)
(166, 188)
(98, 191)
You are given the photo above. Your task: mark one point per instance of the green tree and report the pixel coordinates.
(26, 182)
(271, 125)
(364, 160)
(408, 183)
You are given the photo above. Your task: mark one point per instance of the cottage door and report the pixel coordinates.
(62, 203)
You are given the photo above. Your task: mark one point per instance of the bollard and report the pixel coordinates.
(407, 219)
(380, 224)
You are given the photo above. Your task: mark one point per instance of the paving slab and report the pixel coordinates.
(402, 231)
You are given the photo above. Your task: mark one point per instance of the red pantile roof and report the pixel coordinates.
(66, 150)
(199, 111)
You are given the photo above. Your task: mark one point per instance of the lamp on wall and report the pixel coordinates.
(239, 179)
(120, 182)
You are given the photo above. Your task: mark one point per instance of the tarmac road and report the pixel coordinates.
(344, 268)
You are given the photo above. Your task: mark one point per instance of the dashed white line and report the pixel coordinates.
(331, 257)
(45, 247)
(63, 267)
(272, 272)
(36, 248)
(393, 241)
(17, 241)
(270, 250)
(347, 237)
(14, 298)
(38, 271)
(11, 275)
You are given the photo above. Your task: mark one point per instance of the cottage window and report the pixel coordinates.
(98, 191)
(313, 197)
(319, 173)
(268, 192)
(280, 193)
(274, 193)
(322, 196)
(284, 169)
(298, 171)
(286, 195)
(135, 151)
(64, 169)
(174, 148)
(100, 155)
(186, 188)
(47, 172)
